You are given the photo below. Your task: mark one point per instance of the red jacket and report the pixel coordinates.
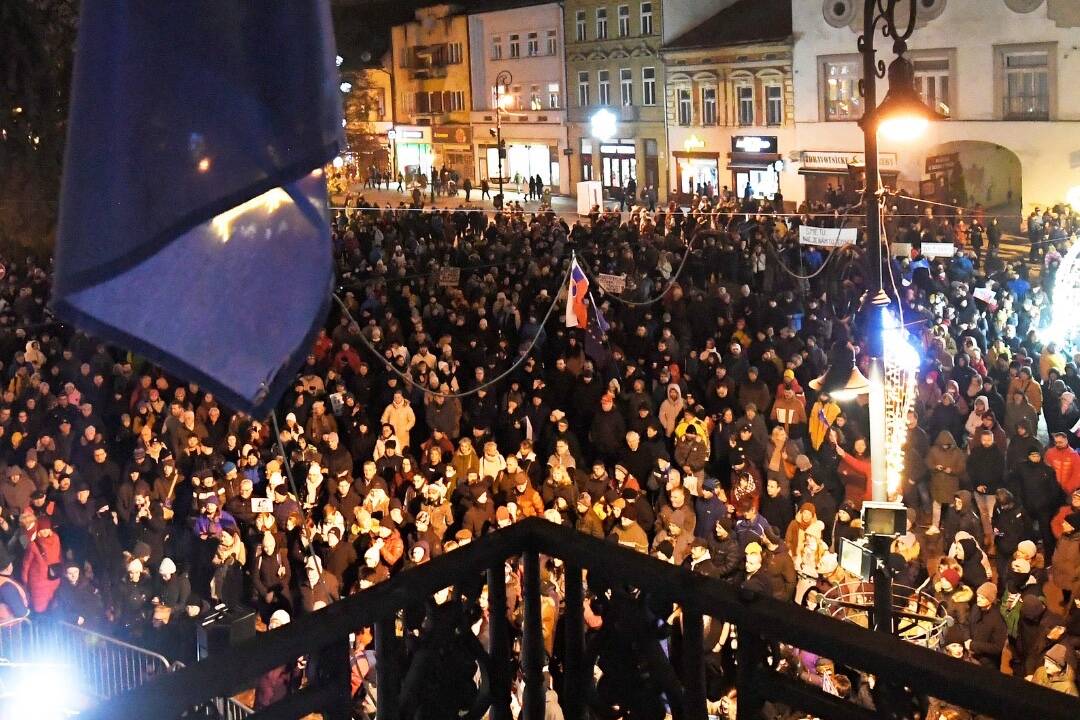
(40, 554)
(1066, 464)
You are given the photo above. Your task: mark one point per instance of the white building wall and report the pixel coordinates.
(522, 126)
(970, 31)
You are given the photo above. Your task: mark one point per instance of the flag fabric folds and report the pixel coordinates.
(193, 223)
(576, 310)
(596, 336)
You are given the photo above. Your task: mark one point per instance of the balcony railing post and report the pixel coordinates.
(693, 627)
(334, 669)
(573, 695)
(499, 643)
(532, 641)
(387, 670)
(750, 656)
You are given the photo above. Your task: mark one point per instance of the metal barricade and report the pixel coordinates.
(16, 639)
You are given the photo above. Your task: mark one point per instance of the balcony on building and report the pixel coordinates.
(425, 62)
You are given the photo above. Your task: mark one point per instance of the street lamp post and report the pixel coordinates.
(902, 115)
(504, 78)
(391, 136)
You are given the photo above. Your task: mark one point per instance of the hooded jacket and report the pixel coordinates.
(947, 465)
(670, 410)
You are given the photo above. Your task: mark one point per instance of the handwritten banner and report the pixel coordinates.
(827, 237)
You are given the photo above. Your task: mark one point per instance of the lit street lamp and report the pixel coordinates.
(503, 79)
(901, 116)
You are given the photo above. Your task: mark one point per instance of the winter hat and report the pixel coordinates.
(135, 566)
(1073, 520)
(1057, 655)
(828, 564)
(952, 577)
(988, 590)
(279, 618)
(665, 548)
(753, 549)
(167, 567)
(1021, 566)
(228, 467)
(1027, 549)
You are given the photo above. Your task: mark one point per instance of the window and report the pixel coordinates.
(648, 86)
(601, 23)
(841, 82)
(583, 89)
(496, 48)
(457, 100)
(646, 18)
(685, 106)
(1027, 85)
(603, 81)
(744, 99)
(535, 103)
(708, 105)
(624, 20)
(534, 44)
(553, 96)
(774, 105)
(626, 86)
(552, 43)
(454, 53)
(932, 82)
(580, 22)
(515, 45)
(435, 102)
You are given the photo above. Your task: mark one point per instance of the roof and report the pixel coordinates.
(362, 27)
(746, 21)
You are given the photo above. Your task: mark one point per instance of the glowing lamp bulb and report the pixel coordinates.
(338, 162)
(603, 124)
(904, 128)
(204, 164)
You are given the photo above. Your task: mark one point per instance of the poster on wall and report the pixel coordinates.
(827, 237)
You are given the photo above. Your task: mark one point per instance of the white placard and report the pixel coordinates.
(900, 249)
(611, 283)
(936, 250)
(828, 237)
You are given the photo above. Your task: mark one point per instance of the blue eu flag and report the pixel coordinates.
(193, 227)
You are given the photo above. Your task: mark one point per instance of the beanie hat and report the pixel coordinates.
(1057, 655)
(167, 567)
(952, 577)
(828, 564)
(280, 617)
(135, 566)
(1027, 548)
(1021, 566)
(753, 549)
(988, 590)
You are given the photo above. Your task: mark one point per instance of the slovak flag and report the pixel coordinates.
(577, 313)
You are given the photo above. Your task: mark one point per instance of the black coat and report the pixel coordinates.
(1011, 527)
(988, 634)
(986, 466)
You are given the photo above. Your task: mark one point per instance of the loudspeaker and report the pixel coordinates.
(223, 628)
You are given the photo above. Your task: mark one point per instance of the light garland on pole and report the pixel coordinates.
(900, 387)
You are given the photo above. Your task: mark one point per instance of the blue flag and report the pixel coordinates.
(193, 227)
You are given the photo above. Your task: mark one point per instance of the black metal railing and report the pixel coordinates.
(418, 640)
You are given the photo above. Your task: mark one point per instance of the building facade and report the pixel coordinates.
(729, 101)
(614, 72)
(432, 92)
(528, 44)
(1000, 70)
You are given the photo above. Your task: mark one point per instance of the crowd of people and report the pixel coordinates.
(132, 502)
